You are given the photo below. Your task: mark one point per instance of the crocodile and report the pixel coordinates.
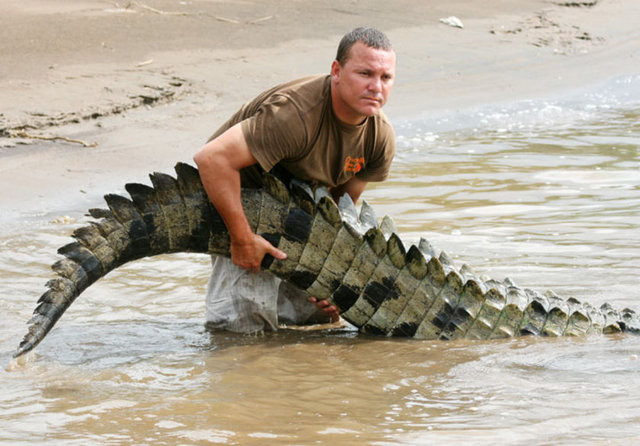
(334, 251)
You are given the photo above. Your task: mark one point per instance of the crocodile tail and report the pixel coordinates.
(333, 252)
(383, 288)
(172, 216)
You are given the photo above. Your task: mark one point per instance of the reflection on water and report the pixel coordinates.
(550, 203)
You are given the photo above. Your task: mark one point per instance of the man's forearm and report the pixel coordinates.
(219, 162)
(223, 187)
(354, 187)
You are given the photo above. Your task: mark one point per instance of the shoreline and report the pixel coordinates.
(153, 102)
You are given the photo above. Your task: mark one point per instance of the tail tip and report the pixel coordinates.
(24, 348)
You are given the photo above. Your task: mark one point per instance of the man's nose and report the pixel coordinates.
(375, 84)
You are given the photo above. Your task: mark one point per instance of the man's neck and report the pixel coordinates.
(343, 112)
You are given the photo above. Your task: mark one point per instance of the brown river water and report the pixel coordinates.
(544, 192)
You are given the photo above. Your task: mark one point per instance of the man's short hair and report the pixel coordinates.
(371, 37)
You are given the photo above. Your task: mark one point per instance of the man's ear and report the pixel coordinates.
(336, 68)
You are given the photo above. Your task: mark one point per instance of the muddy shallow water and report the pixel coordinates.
(544, 192)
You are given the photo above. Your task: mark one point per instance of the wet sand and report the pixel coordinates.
(144, 83)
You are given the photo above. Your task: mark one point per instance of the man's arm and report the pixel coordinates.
(219, 163)
(354, 187)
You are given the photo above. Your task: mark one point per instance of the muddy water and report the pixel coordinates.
(544, 192)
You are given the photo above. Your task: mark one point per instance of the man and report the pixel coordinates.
(324, 129)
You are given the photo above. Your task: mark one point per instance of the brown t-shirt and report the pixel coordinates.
(292, 126)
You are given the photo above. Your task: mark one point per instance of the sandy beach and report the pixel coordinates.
(128, 87)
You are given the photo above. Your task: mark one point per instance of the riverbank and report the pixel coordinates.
(125, 88)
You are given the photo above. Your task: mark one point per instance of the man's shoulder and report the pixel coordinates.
(381, 117)
(314, 82)
(304, 93)
(382, 123)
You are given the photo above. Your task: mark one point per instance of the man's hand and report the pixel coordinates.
(249, 254)
(324, 305)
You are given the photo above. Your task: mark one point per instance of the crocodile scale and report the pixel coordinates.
(333, 252)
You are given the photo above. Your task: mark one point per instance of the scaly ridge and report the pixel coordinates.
(466, 311)
(296, 230)
(442, 308)
(380, 285)
(170, 200)
(144, 198)
(91, 238)
(406, 284)
(422, 300)
(115, 235)
(336, 263)
(534, 314)
(367, 257)
(127, 214)
(196, 205)
(488, 315)
(314, 254)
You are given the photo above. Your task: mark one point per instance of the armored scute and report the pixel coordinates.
(333, 252)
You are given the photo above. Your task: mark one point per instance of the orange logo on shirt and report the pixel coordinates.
(353, 164)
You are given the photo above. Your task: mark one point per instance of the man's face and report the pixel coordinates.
(362, 85)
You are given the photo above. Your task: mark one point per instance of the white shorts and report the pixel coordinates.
(245, 302)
